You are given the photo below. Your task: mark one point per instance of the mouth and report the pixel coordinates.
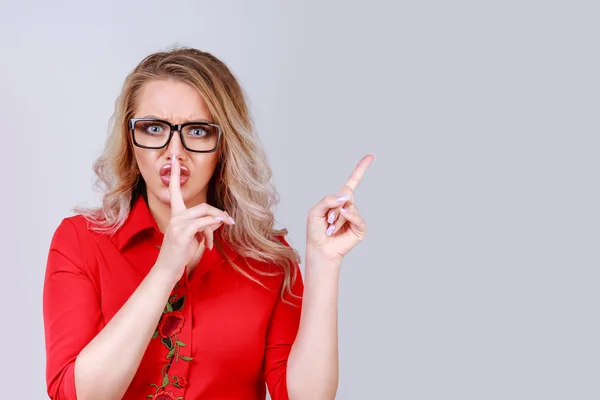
(165, 174)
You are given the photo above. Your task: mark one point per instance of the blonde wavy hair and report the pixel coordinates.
(242, 178)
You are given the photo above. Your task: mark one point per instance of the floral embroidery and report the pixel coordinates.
(164, 396)
(170, 325)
(179, 382)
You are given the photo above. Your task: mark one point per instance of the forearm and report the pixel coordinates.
(106, 366)
(312, 369)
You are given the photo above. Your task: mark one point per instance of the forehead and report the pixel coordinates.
(174, 101)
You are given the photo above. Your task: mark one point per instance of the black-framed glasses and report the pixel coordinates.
(153, 133)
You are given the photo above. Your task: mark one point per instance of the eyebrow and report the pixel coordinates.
(187, 121)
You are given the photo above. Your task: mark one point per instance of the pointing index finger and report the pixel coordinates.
(177, 203)
(358, 173)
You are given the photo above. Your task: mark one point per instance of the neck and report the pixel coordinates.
(160, 211)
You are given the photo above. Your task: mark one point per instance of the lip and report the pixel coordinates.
(165, 174)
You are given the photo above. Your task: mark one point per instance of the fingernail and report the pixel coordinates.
(343, 198)
(231, 220)
(343, 210)
(331, 217)
(220, 218)
(330, 230)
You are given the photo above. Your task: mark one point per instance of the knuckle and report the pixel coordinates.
(200, 209)
(329, 199)
(313, 212)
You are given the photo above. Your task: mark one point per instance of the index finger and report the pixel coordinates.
(359, 172)
(177, 203)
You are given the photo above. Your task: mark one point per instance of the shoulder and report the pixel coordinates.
(74, 238)
(72, 228)
(272, 257)
(67, 229)
(286, 264)
(282, 239)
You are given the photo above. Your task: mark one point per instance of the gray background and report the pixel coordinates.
(479, 277)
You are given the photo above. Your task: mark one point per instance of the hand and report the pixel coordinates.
(187, 228)
(334, 224)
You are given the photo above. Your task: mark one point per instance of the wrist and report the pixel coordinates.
(165, 274)
(321, 275)
(316, 259)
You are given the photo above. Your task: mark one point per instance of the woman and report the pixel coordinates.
(179, 287)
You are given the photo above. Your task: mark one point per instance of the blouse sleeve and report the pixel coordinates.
(71, 308)
(281, 334)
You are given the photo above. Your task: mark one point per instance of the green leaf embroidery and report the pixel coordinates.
(180, 398)
(150, 396)
(173, 304)
(171, 353)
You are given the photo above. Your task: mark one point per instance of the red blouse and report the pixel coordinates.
(221, 336)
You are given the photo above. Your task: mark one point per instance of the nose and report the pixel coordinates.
(175, 147)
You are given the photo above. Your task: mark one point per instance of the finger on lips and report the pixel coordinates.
(177, 203)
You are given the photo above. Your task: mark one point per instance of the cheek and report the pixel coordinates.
(205, 166)
(146, 161)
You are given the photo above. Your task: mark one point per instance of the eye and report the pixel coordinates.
(154, 129)
(197, 132)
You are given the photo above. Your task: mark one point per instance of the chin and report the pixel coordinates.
(166, 198)
(162, 195)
